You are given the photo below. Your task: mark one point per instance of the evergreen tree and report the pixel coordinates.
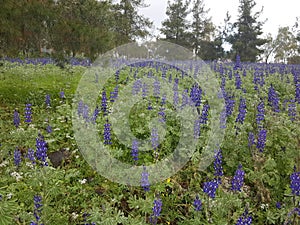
(128, 24)
(202, 28)
(176, 26)
(245, 40)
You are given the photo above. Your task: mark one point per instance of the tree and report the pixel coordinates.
(246, 31)
(202, 27)
(176, 26)
(286, 45)
(128, 24)
(268, 48)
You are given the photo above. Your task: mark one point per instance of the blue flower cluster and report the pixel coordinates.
(295, 182)
(135, 150)
(245, 219)
(28, 113)
(107, 134)
(16, 119)
(156, 210)
(145, 179)
(261, 140)
(41, 150)
(260, 116)
(238, 179)
(242, 111)
(197, 204)
(17, 157)
(273, 99)
(37, 210)
(218, 164)
(210, 188)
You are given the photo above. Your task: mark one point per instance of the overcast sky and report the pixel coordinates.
(278, 13)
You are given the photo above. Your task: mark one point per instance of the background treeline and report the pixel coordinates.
(67, 28)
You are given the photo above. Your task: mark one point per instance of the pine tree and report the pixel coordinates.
(129, 25)
(245, 39)
(202, 28)
(176, 26)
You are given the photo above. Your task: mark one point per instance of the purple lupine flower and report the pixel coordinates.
(242, 111)
(175, 92)
(28, 113)
(49, 129)
(104, 103)
(297, 93)
(135, 150)
(260, 116)
(210, 188)
(30, 155)
(162, 115)
(137, 86)
(17, 157)
(237, 62)
(251, 139)
(230, 74)
(245, 219)
(145, 179)
(16, 119)
(170, 78)
(149, 106)
(278, 205)
(41, 150)
(156, 210)
(37, 209)
(204, 115)
(292, 110)
(244, 73)
(80, 108)
(238, 81)
(156, 88)
(114, 94)
(95, 115)
(144, 90)
(48, 100)
(163, 99)
(273, 99)
(196, 95)
(238, 179)
(154, 139)
(62, 95)
(261, 140)
(107, 134)
(117, 75)
(218, 165)
(295, 182)
(85, 113)
(229, 102)
(197, 204)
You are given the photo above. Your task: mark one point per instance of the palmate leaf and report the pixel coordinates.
(7, 209)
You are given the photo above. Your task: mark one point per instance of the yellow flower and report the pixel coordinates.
(168, 180)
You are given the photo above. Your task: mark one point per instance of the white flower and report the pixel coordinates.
(74, 215)
(30, 165)
(83, 181)
(17, 175)
(9, 196)
(4, 163)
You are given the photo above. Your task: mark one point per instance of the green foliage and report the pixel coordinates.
(73, 188)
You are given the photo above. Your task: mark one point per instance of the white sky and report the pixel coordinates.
(278, 13)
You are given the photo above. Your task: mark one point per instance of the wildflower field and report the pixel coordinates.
(254, 177)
